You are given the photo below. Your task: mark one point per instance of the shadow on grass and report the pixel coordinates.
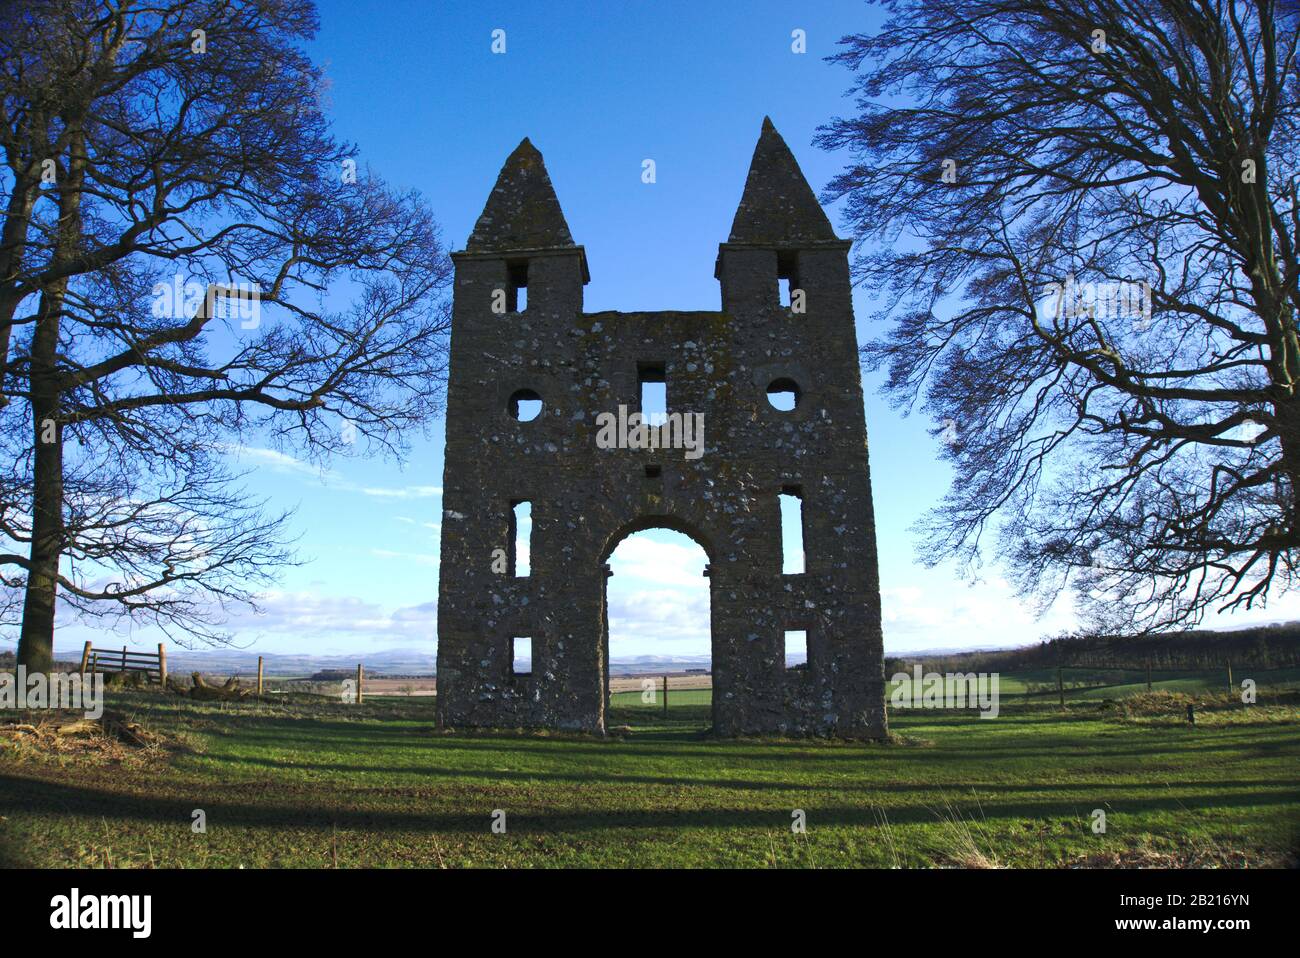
(27, 796)
(590, 776)
(310, 734)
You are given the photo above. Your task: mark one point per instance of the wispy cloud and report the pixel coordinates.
(659, 620)
(280, 462)
(304, 615)
(274, 460)
(658, 596)
(985, 614)
(649, 560)
(400, 492)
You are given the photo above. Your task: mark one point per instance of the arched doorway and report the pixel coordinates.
(657, 620)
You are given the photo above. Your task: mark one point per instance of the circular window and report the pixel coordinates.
(525, 405)
(783, 394)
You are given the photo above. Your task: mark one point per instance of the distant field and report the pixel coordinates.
(426, 684)
(1039, 687)
(310, 782)
(676, 697)
(1084, 685)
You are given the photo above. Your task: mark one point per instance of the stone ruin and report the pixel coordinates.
(519, 334)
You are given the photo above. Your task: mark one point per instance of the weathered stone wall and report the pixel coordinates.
(586, 499)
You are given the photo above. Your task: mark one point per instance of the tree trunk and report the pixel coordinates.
(12, 244)
(36, 641)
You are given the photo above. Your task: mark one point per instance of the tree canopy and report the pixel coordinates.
(1081, 218)
(189, 259)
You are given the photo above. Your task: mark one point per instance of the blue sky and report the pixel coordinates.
(598, 87)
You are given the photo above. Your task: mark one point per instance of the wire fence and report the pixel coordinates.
(1089, 683)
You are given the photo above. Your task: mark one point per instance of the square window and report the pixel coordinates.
(787, 277)
(521, 538)
(792, 554)
(521, 655)
(652, 384)
(517, 287)
(795, 649)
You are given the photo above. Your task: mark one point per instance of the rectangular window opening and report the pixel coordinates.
(792, 554)
(517, 288)
(787, 276)
(521, 536)
(795, 649)
(521, 655)
(653, 387)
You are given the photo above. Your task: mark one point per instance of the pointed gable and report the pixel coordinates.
(778, 205)
(522, 212)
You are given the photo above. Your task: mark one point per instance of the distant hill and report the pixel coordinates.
(1273, 646)
(8, 661)
(1266, 647)
(237, 661)
(388, 662)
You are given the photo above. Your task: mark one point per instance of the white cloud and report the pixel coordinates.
(653, 560)
(947, 614)
(276, 461)
(282, 463)
(406, 492)
(304, 615)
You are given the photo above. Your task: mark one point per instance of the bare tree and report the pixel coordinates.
(188, 259)
(1082, 218)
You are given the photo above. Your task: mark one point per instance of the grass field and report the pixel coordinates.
(312, 783)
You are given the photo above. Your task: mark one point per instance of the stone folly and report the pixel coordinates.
(520, 339)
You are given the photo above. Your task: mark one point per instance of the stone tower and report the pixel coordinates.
(519, 334)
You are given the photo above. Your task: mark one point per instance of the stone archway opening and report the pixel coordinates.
(657, 621)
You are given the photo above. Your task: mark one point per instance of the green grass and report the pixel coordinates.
(314, 783)
(630, 703)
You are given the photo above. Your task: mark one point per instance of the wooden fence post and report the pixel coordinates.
(85, 657)
(162, 665)
(1229, 664)
(665, 696)
(360, 676)
(124, 660)
(259, 676)
(1060, 686)
(1148, 675)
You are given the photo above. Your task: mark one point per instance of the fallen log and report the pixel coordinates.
(229, 692)
(133, 733)
(80, 727)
